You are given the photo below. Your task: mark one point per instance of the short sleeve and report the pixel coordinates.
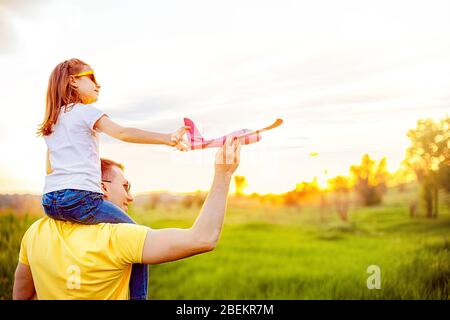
(127, 240)
(90, 115)
(23, 256)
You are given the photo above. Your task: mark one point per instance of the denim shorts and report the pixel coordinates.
(84, 207)
(72, 205)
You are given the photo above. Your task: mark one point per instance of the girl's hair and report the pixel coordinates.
(60, 93)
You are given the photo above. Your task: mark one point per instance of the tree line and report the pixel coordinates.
(427, 161)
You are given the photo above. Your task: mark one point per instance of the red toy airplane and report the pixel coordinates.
(247, 136)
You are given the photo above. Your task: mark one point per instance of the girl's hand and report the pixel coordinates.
(177, 141)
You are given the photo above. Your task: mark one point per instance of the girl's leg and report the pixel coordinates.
(72, 205)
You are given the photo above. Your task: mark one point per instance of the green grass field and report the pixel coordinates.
(283, 253)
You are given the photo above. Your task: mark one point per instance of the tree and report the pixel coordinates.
(240, 183)
(291, 199)
(401, 178)
(304, 192)
(444, 177)
(307, 190)
(428, 156)
(153, 201)
(194, 200)
(341, 187)
(369, 180)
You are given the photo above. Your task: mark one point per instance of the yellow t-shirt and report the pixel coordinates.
(74, 261)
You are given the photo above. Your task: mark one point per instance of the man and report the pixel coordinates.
(63, 260)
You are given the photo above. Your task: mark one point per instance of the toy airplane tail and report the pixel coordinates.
(194, 135)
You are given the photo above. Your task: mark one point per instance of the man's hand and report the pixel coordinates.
(228, 157)
(177, 141)
(172, 244)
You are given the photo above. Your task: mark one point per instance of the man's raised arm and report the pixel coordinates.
(171, 244)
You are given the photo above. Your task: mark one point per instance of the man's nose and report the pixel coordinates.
(129, 197)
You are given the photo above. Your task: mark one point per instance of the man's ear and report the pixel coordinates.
(104, 189)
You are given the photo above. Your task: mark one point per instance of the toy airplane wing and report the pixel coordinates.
(247, 136)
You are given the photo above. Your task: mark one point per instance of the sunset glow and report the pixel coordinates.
(346, 78)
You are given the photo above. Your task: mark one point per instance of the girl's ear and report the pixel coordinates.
(104, 188)
(73, 81)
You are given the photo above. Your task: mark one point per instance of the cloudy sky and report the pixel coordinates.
(347, 78)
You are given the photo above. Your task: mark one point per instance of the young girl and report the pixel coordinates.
(70, 128)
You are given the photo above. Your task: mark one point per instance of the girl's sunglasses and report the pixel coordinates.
(89, 73)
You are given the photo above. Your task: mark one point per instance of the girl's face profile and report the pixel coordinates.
(86, 86)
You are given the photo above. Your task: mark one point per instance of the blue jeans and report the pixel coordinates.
(87, 207)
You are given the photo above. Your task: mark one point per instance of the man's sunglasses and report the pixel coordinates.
(89, 73)
(126, 186)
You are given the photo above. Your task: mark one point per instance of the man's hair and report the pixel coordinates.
(107, 165)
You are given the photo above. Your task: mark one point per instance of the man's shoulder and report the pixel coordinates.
(35, 226)
(122, 227)
(124, 233)
(39, 222)
(46, 224)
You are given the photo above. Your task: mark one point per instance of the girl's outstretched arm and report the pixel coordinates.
(133, 135)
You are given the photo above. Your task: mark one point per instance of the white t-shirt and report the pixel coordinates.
(74, 153)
